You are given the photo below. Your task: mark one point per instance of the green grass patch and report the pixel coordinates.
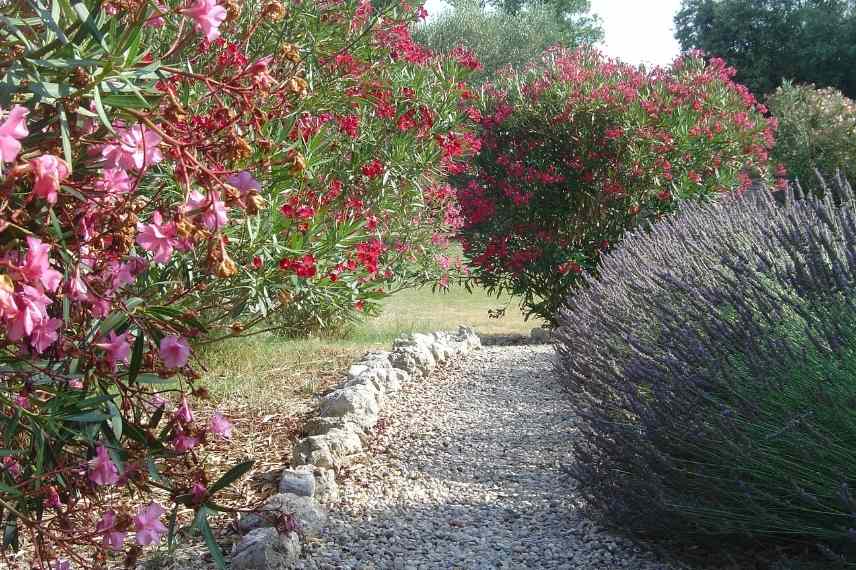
(266, 372)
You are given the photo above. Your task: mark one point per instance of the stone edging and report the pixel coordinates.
(274, 534)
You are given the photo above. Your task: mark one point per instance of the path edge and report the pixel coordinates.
(273, 536)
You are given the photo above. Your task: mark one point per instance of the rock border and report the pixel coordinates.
(274, 534)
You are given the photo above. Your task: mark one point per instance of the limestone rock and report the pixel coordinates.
(266, 549)
(358, 401)
(329, 450)
(298, 481)
(326, 488)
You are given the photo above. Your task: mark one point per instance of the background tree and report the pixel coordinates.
(806, 41)
(505, 33)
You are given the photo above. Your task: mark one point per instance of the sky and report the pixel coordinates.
(636, 31)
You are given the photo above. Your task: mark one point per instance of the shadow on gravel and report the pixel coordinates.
(474, 479)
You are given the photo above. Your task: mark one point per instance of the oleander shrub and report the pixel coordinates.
(817, 131)
(577, 149)
(713, 362)
(173, 173)
(349, 170)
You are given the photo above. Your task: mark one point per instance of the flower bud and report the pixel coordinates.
(233, 9)
(80, 78)
(201, 392)
(291, 53)
(226, 268)
(184, 228)
(230, 194)
(298, 163)
(298, 86)
(255, 203)
(274, 11)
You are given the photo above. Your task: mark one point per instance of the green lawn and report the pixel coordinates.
(264, 373)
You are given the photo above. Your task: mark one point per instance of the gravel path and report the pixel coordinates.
(465, 472)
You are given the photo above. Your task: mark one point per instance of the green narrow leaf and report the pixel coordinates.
(49, 21)
(11, 429)
(137, 356)
(115, 420)
(113, 321)
(88, 417)
(201, 523)
(156, 417)
(131, 45)
(10, 532)
(153, 379)
(57, 228)
(122, 101)
(231, 475)
(99, 108)
(170, 541)
(65, 134)
(10, 24)
(39, 444)
(88, 21)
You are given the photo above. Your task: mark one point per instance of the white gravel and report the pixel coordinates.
(465, 471)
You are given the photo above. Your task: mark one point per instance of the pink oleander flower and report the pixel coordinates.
(184, 413)
(123, 274)
(52, 501)
(209, 208)
(114, 181)
(221, 426)
(45, 335)
(48, 172)
(157, 21)
(183, 442)
(13, 129)
(157, 238)
(135, 148)
(37, 266)
(117, 347)
(11, 465)
(174, 351)
(102, 470)
(260, 72)
(148, 526)
(30, 312)
(76, 287)
(207, 16)
(113, 539)
(244, 182)
(198, 492)
(22, 400)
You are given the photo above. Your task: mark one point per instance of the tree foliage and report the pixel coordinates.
(510, 33)
(807, 41)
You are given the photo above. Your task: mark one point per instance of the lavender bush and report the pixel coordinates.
(714, 360)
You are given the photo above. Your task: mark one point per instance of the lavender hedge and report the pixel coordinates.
(714, 362)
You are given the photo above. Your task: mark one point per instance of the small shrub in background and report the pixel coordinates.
(817, 130)
(713, 362)
(576, 149)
